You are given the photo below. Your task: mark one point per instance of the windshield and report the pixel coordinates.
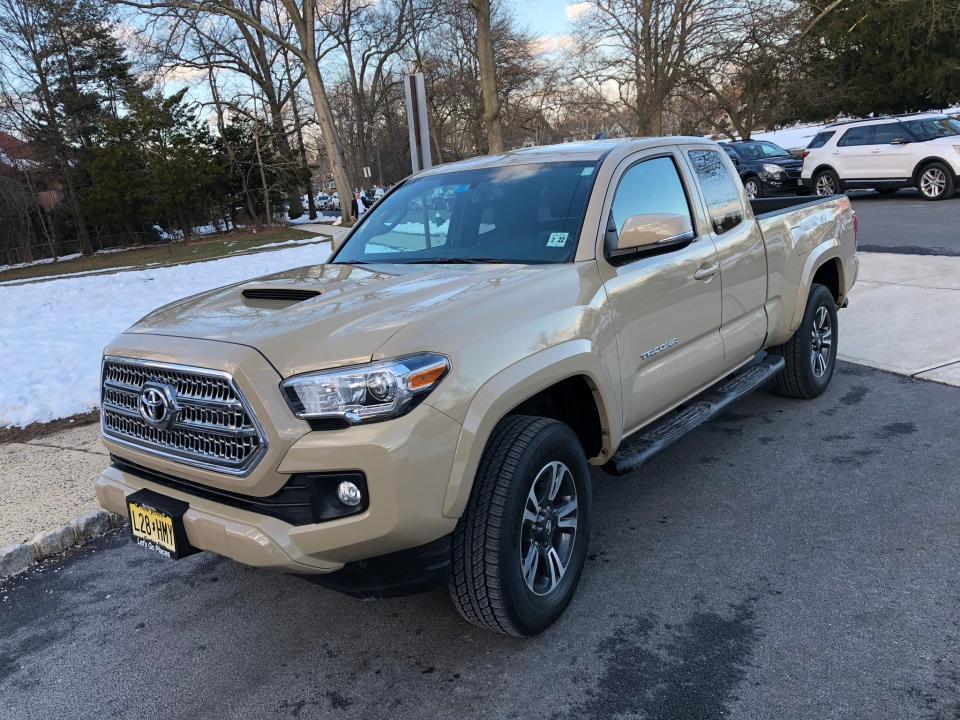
(932, 128)
(527, 213)
(758, 150)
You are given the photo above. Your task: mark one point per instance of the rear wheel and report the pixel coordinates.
(826, 182)
(935, 182)
(811, 353)
(519, 548)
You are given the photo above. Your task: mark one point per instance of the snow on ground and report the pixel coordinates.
(41, 261)
(52, 333)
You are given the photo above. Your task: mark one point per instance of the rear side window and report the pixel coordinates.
(820, 139)
(719, 190)
(888, 132)
(857, 136)
(650, 187)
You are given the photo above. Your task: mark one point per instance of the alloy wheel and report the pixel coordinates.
(825, 185)
(821, 342)
(752, 190)
(933, 182)
(548, 529)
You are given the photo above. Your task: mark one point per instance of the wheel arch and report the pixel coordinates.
(824, 266)
(558, 381)
(922, 165)
(824, 167)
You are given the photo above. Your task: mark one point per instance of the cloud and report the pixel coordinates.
(546, 44)
(575, 10)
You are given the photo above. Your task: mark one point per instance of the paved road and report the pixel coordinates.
(906, 223)
(791, 560)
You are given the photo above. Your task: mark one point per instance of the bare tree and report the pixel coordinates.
(303, 43)
(739, 79)
(635, 52)
(488, 76)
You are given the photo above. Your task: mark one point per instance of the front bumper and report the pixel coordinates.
(406, 462)
(782, 185)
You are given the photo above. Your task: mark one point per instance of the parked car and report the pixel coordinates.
(765, 168)
(424, 408)
(322, 200)
(886, 154)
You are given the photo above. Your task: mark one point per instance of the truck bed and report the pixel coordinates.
(768, 207)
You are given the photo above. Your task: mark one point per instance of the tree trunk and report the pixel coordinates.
(488, 76)
(331, 138)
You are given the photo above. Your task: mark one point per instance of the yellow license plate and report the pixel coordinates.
(152, 527)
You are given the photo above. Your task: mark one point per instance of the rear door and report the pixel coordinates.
(743, 257)
(666, 305)
(891, 160)
(853, 158)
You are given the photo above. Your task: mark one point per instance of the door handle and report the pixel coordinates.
(875, 152)
(706, 272)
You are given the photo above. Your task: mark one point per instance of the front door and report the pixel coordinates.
(667, 306)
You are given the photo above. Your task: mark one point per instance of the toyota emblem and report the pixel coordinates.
(158, 405)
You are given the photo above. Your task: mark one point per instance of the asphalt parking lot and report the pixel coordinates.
(790, 560)
(906, 223)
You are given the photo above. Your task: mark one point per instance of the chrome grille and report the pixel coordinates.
(214, 427)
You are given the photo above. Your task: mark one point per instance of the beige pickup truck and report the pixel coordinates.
(424, 408)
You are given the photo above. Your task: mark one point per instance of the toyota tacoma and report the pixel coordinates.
(425, 407)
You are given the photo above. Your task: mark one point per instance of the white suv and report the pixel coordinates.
(888, 153)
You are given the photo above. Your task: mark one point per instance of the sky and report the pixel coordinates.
(546, 18)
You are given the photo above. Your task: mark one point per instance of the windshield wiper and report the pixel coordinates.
(454, 261)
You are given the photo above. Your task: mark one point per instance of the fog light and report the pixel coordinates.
(349, 494)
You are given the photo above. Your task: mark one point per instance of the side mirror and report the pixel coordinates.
(650, 231)
(899, 141)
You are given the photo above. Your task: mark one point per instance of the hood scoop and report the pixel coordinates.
(288, 295)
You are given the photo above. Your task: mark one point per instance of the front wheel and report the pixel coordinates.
(811, 354)
(519, 548)
(754, 188)
(935, 182)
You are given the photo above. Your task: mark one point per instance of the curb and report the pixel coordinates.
(14, 559)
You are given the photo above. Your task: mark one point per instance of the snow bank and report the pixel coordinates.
(52, 332)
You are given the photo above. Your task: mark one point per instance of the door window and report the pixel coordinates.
(886, 133)
(857, 136)
(651, 187)
(719, 190)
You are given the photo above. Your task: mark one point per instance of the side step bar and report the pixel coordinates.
(661, 434)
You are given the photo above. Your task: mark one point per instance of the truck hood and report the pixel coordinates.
(320, 316)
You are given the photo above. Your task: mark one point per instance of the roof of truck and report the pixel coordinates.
(585, 150)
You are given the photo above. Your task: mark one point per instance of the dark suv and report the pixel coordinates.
(765, 168)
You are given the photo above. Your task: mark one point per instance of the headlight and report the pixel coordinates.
(772, 169)
(363, 393)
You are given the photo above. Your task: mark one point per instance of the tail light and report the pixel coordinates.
(805, 153)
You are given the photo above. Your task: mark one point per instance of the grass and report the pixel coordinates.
(158, 255)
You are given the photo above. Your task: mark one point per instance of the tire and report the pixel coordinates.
(486, 581)
(886, 191)
(826, 182)
(935, 182)
(754, 188)
(804, 376)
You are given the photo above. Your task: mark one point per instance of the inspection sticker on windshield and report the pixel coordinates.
(557, 239)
